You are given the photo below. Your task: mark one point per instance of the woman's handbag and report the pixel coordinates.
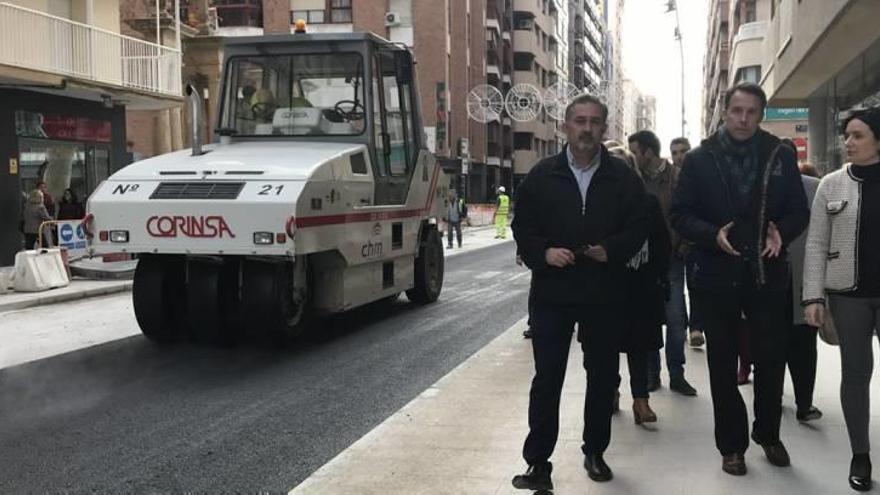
(828, 331)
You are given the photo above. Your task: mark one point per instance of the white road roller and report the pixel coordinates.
(319, 196)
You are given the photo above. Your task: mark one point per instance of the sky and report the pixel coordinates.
(651, 60)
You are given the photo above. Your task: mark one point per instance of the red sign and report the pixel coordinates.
(801, 144)
(77, 128)
(188, 226)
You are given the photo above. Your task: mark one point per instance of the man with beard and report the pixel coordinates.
(579, 217)
(741, 202)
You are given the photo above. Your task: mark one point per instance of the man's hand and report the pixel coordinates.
(597, 253)
(773, 243)
(815, 314)
(559, 257)
(722, 241)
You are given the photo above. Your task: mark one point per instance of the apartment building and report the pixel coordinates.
(716, 64)
(499, 74)
(535, 46)
(749, 21)
(68, 78)
(823, 55)
(612, 87)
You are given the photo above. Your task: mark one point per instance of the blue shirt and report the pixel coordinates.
(583, 173)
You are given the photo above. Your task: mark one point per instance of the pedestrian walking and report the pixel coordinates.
(842, 267)
(35, 214)
(660, 178)
(579, 217)
(802, 355)
(647, 293)
(678, 148)
(70, 207)
(455, 214)
(740, 201)
(502, 208)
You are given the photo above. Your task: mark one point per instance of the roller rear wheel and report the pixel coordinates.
(158, 297)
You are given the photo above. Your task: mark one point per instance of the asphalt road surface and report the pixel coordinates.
(126, 416)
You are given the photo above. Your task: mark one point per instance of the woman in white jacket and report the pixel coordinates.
(843, 263)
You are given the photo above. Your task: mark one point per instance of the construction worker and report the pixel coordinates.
(502, 208)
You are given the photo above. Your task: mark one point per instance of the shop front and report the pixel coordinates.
(68, 143)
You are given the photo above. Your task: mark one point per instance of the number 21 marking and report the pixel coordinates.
(267, 188)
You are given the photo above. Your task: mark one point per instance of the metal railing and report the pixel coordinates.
(36, 40)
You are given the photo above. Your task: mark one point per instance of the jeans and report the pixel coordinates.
(676, 326)
(551, 340)
(767, 316)
(449, 228)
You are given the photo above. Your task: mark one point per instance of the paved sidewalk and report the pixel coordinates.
(464, 435)
(473, 238)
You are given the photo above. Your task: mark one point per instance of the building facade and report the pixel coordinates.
(823, 55)
(67, 81)
(716, 63)
(612, 86)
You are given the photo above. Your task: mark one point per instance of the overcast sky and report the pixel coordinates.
(651, 60)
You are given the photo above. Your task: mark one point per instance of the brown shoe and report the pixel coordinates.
(734, 464)
(642, 412)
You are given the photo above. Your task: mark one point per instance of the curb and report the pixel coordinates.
(65, 297)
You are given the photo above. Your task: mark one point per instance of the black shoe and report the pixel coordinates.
(527, 334)
(810, 414)
(450, 246)
(537, 477)
(775, 452)
(860, 472)
(596, 468)
(653, 384)
(734, 464)
(681, 386)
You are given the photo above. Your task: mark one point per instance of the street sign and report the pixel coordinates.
(72, 237)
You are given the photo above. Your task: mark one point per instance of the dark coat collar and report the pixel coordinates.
(765, 141)
(561, 162)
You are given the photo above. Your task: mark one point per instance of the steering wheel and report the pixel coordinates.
(355, 112)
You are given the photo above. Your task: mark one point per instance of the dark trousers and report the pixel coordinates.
(802, 359)
(30, 240)
(637, 363)
(449, 228)
(766, 314)
(552, 330)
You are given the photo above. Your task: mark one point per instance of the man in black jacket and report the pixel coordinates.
(740, 201)
(579, 217)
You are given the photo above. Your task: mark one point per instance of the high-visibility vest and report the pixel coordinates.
(503, 204)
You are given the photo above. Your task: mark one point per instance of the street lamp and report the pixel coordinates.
(671, 6)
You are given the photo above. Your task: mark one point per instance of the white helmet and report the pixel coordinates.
(501, 189)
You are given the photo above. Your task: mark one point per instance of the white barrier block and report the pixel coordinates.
(39, 270)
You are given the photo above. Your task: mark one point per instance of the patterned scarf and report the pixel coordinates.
(741, 159)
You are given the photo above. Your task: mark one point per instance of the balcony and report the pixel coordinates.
(38, 41)
(493, 24)
(750, 31)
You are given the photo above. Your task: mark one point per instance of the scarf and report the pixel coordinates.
(741, 160)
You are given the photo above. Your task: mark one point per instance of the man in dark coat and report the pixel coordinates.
(740, 200)
(579, 217)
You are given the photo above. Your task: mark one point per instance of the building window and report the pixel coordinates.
(340, 11)
(310, 16)
(522, 140)
(751, 11)
(751, 73)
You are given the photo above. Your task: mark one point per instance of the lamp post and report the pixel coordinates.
(671, 6)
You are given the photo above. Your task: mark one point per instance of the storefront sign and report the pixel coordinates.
(13, 166)
(772, 114)
(67, 127)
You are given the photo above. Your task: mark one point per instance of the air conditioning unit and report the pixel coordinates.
(392, 19)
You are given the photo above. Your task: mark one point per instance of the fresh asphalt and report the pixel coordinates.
(127, 416)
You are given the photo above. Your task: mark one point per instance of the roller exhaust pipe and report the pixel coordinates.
(197, 111)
